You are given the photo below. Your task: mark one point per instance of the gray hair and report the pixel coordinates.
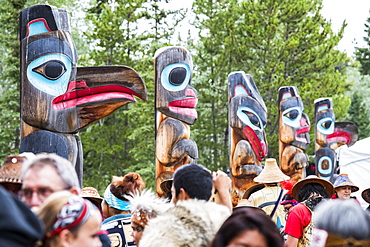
(344, 218)
(63, 167)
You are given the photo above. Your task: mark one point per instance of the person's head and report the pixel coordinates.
(312, 186)
(344, 221)
(45, 174)
(366, 195)
(288, 202)
(116, 194)
(70, 221)
(343, 187)
(248, 226)
(145, 206)
(92, 194)
(191, 181)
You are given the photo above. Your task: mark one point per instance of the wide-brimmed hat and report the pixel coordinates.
(343, 180)
(366, 195)
(10, 172)
(91, 193)
(252, 189)
(166, 185)
(271, 173)
(312, 179)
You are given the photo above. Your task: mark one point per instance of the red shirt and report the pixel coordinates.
(299, 217)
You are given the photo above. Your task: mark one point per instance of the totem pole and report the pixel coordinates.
(345, 133)
(294, 137)
(57, 98)
(330, 135)
(247, 120)
(175, 102)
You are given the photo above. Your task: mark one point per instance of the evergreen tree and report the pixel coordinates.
(358, 114)
(359, 109)
(125, 33)
(363, 54)
(279, 43)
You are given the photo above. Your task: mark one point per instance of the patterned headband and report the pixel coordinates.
(74, 213)
(114, 202)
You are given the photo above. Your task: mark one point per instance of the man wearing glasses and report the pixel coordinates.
(44, 175)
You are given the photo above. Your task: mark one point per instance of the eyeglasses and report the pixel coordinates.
(42, 193)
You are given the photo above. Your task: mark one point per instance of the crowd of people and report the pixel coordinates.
(43, 205)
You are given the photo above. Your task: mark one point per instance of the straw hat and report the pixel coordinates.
(311, 180)
(271, 173)
(343, 180)
(366, 195)
(252, 189)
(91, 193)
(10, 172)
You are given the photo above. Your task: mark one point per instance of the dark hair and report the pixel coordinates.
(126, 185)
(305, 192)
(244, 219)
(195, 180)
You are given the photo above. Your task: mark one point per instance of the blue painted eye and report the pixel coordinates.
(175, 77)
(292, 116)
(50, 73)
(325, 126)
(250, 118)
(51, 70)
(325, 162)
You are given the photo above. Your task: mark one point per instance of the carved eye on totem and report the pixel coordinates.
(51, 70)
(50, 73)
(176, 77)
(292, 116)
(325, 126)
(251, 118)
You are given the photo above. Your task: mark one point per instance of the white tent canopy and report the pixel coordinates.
(355, 161)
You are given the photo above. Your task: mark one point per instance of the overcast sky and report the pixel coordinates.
(355, 12)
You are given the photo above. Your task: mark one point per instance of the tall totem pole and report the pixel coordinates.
(175, 102)
(294, 137)
(324, 127)
(330, 135)
(247, 121)
(57, 97)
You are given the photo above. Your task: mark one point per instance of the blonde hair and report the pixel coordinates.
(50, 211)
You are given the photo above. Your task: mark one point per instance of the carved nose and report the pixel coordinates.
(190, 93)
(303, 122)
(75, 85)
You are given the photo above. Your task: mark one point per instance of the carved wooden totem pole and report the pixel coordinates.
(247, 120)
(294, 137)
(175, 102)
(57, 98)
(324, 126)
(330, 135)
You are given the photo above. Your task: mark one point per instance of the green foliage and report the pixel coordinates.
(359, 109)
(363, 54)
(279, 43)
(125, 33)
